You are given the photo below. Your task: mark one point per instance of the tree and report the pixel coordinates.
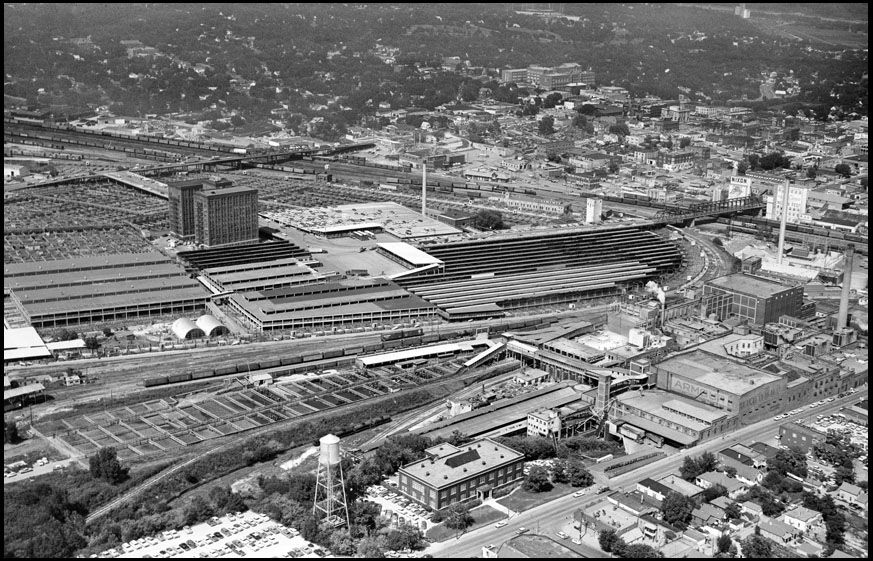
(613, 167)
(811, 173)
(488, 220)
(607, 539)
(843, 169)
(581, 122)
(621, 129)
(577, 475)
(10, 433)
(546, 126)
(91, 343)
(788, 461)
(404, 536)
(677, 509)
(105, 465)
(724, 543)
(684, 142)
(741, 168)
(714, 492)
(341, 543)
(733, 511)
(458, 516)
(559, 471)
(537, 480)
(371, 548)
(107, 332)
(692, 467)
(197, 510)
(756, 547)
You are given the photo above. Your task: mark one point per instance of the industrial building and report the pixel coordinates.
(450, 474)
(509, 416)
(329, 304)
(485, 278)
(101, 289)
(180, 195)
(262, 275)
(755, 299)
(745, 393)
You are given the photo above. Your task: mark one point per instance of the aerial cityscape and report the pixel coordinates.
(435, 280)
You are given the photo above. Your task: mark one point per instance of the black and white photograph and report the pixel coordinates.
(427, 280)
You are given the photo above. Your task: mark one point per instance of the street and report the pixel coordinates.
(548, 518)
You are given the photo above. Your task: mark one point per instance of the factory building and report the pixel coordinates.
(450, 474)
(746, 393)
(755, 299)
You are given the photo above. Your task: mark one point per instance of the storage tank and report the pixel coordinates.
(330, 450)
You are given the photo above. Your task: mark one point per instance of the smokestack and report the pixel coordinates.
(424, 189)
(843, 317)
(783, 221)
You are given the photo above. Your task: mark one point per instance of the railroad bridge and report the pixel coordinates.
(741, 205)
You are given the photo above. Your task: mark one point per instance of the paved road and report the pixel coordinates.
(552, 516)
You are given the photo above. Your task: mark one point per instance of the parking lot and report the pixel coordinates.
(398, 509)
(241, 535)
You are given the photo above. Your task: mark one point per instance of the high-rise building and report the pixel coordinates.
(181, 199)
(226, 216)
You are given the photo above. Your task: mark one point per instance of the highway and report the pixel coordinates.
(552, 516)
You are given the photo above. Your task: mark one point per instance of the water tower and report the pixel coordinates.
(330, 491)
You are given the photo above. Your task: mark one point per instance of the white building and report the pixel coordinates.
(545, 422)
(593, 211)
(797, 199)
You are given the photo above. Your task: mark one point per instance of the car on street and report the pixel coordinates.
(521, 530)
(578, 494)
(501, 524)
(577, 541)
(562, 535)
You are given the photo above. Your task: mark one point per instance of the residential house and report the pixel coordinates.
(802, 518)
(734, 487)
(708, 515)
(653, 489)
(744, 473)
(849, 493)
(752, 509)
(679, 485)
(777, 531)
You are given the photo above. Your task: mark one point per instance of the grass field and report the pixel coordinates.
(522, 500)
(482, 515)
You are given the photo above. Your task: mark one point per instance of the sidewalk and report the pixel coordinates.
(499, 507)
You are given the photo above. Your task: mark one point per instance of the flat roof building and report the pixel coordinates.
(451, 474)
(226, 216)
(747, 393)
(756, 299)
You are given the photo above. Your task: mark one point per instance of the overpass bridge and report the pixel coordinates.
(250, 160)
(685, 215)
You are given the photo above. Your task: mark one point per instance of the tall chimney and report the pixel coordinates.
(843, 316)
(784, 220)
(424, 189)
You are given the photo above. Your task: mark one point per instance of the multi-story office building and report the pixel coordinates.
(226, 216)
(517, 75)
(181, 200)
